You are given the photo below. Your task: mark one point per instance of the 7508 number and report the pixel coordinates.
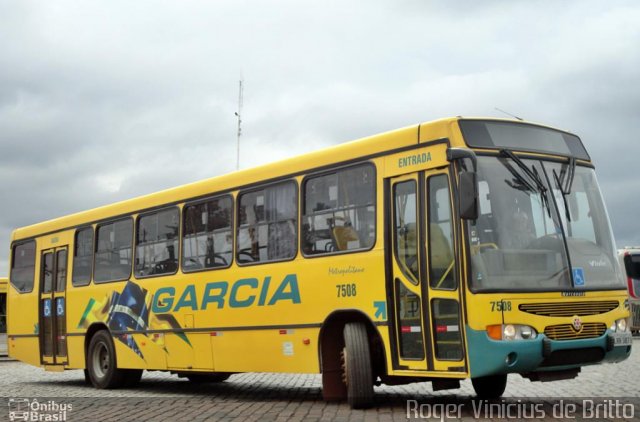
(346, 290)
(501, 306)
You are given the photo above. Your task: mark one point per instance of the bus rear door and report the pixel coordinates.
(53, 328)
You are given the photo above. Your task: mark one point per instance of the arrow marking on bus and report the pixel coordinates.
(381, 310)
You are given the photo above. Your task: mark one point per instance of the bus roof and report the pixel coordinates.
(348, 151)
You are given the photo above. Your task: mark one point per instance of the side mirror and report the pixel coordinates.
(468, 195)
(468, 192)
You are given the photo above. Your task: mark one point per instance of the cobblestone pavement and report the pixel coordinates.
(292, 397)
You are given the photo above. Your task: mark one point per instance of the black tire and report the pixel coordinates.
(356, 361)
(102, 365)
(199, 378)
(490, 387)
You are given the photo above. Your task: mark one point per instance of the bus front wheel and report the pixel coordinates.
(490, 387)
(357, 373)
(101, 362)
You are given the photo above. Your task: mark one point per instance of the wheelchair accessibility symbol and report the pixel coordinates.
(47, 308)
(60, 307)
(578, 277)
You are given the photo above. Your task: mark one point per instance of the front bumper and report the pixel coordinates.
(491, 357)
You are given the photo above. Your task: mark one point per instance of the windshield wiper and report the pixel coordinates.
(533, 175)
(564, 182)
(566, 176)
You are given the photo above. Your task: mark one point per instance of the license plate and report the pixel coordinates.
(622, 340)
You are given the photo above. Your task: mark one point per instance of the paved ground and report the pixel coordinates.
(280, 397)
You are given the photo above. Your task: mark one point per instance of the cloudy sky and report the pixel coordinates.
(106, 100)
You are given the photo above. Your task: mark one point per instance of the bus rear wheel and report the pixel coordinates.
(102, 367)
(490, 387)
(357, 372)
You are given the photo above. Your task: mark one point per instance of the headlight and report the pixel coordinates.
(621, 325)
(511, 332)
(526, 332)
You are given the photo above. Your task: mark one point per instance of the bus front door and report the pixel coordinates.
(425, 291)
(53, 327)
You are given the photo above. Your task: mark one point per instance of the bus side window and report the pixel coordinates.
(23, 266)
(207, 237)
(157, 243)
(83, 257)
(113, 251)
(267, 224)
(339, 211)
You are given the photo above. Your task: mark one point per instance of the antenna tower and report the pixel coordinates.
(239, 115)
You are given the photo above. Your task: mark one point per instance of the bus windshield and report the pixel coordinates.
(541, 226)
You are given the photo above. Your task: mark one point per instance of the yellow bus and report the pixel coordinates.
(3, 316)
(460, 248)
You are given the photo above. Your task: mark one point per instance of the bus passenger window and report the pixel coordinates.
(113, 251)
(208, 240)
(83, 257)
(157, 243)
(23, 266)
(267, 224)
(339, 211)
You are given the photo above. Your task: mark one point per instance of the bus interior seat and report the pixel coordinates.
(345, 237)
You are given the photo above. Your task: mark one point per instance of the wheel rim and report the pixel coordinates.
(101, 360)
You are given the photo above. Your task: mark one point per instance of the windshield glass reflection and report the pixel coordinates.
(518, 240)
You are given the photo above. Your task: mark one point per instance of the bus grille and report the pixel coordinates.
(635, 316)
(568, 309)
(567, 332)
